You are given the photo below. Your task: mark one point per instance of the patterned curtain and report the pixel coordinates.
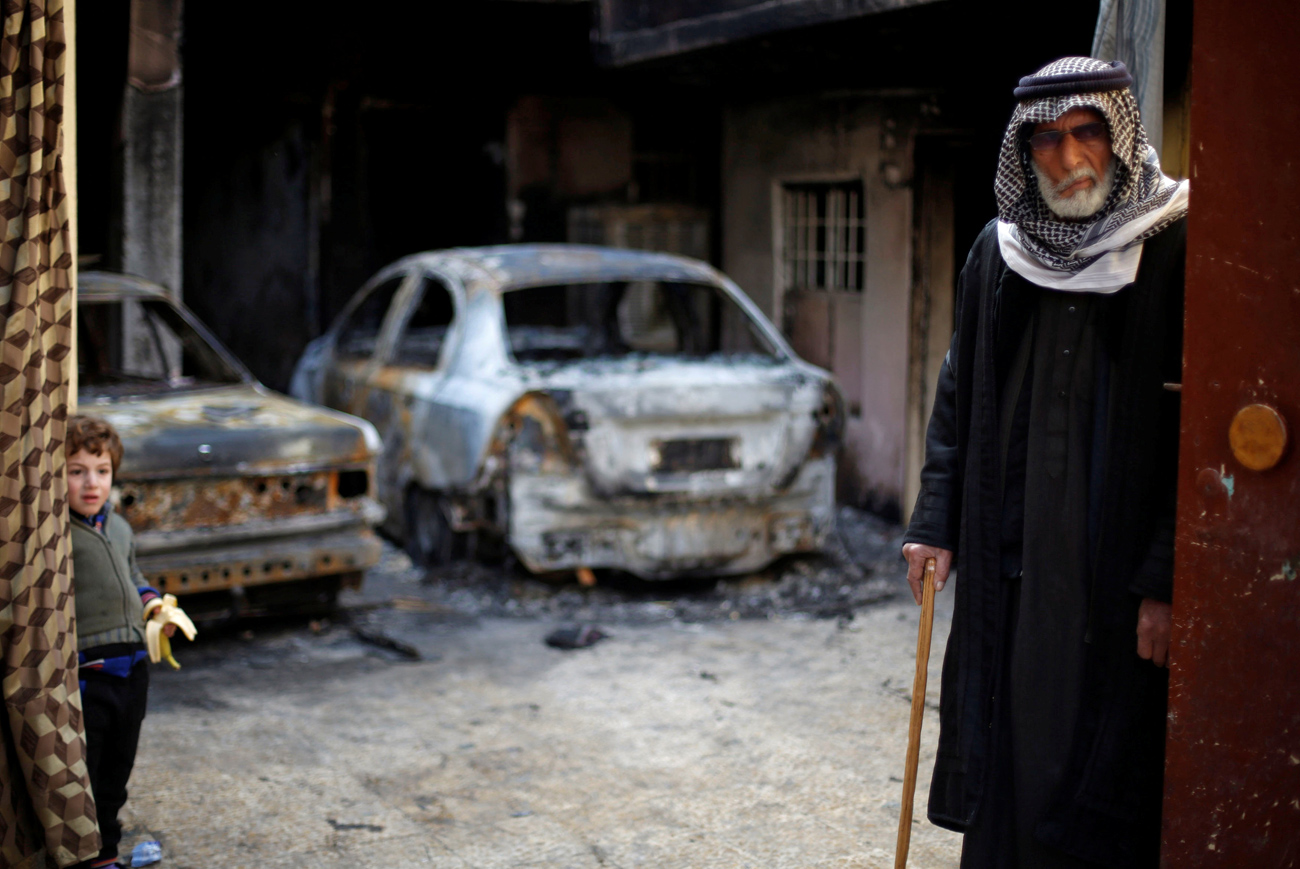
(47, 814)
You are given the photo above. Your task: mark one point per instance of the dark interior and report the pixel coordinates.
(558, 323)
(134, 346)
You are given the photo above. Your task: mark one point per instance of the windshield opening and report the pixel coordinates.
(560, 323)
(136, 346)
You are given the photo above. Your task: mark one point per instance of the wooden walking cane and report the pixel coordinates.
(918, 714)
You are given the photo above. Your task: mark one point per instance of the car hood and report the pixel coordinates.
(232, 430)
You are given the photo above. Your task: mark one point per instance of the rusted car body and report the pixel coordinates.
(585, 406)
(241, 499)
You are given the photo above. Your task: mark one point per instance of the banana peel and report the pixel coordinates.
(159, 613)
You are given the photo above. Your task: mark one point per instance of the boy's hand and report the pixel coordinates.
(151, 609)
(162, 617)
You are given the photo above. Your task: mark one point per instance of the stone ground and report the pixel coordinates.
(755, 722)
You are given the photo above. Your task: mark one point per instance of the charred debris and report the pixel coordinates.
(858, 568)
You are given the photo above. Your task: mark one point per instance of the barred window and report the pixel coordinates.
(825, 236)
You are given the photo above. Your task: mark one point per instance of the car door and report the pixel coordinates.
(357, 344)
(416, 342)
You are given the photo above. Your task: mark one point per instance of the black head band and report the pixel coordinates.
(1111, 78)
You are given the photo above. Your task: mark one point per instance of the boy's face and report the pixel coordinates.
(90, 477)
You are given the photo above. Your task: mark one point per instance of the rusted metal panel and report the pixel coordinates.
(1232, 795)
(217, 567)
(215, 503)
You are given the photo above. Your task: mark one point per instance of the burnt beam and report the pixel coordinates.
(623, 35)
(151, 153)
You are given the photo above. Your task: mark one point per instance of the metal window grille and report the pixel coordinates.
(825, 236)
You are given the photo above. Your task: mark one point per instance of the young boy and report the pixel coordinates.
(111, 597)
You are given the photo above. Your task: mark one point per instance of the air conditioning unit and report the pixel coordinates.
(679, 229)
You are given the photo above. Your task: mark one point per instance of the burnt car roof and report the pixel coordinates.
(107, 286)
(223, 414)
(96, 286)
(512, 266)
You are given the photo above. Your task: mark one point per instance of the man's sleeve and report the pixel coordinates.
(1155, 576)
(936, 515)
(934, 518)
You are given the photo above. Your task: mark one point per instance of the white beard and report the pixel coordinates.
(1082, 203)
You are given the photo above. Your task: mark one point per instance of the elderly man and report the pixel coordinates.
(1050, 477)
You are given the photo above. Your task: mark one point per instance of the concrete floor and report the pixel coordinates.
(746, 743)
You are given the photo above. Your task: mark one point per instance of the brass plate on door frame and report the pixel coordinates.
(1258, 436)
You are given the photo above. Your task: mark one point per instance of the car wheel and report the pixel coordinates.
(429, 539)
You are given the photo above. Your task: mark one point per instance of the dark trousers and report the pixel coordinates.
(113, 709)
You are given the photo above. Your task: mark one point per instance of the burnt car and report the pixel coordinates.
(585, 407)
(242, 500)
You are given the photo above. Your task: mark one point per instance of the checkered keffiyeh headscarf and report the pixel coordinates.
(1140, 186)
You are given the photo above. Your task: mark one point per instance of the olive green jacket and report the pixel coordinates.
(106, 584)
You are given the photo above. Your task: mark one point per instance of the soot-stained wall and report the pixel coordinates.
(317, 149)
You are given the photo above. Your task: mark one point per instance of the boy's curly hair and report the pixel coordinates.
(95, 436)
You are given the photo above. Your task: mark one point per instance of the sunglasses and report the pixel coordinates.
(1083, 134)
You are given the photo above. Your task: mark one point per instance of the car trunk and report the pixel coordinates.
(690, 427)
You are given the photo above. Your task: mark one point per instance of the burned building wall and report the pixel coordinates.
(249, 251)
(99, 108)
(561, 150)
(635, 168)
(777, 156)
(314, 161)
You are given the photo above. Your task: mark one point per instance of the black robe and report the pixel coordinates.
(1107, 808)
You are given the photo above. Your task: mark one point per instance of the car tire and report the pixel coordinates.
(429, 539)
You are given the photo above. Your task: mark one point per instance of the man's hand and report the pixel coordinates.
(916, 554)
(1154, 621)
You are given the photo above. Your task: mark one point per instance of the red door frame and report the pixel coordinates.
(1232, 784)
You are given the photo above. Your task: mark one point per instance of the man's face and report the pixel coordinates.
(90, 479)
(1075, 173)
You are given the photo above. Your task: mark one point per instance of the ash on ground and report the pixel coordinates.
(860, 566)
